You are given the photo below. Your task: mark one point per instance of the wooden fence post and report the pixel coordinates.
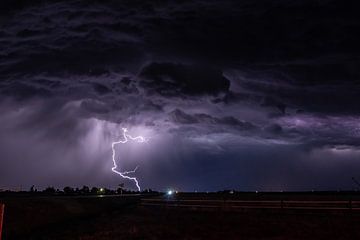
(2, 208)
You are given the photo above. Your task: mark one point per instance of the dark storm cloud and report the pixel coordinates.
(23, 90)
(101, 89)
(181, 117)
(218, 85)
(94, 106)
(57, 39)
(171, 79)
(321, 91)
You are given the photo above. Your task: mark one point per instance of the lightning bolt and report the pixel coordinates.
(124, 175)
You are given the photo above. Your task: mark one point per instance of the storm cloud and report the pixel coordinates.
(250, 95)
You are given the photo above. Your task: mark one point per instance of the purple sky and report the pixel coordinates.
(246, 95)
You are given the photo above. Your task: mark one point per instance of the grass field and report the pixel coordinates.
(41, 217)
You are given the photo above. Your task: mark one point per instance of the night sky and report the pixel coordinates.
(243, 94)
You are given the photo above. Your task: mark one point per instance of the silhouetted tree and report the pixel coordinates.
(68, 190)
(85, 190)
(49, 190)
(94, 190)
(109, 191)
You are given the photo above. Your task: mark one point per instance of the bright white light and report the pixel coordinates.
(139, 139)
(170, 192)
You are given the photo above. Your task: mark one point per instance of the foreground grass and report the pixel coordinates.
(122, 218)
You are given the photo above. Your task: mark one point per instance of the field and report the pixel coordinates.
(130, 217)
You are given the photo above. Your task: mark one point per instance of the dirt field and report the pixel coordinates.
(124, 218)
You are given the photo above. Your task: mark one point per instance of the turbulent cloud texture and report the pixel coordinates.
(251, 95)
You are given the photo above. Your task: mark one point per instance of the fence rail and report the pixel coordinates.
(247, 204)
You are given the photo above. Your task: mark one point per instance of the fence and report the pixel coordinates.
(261, 204)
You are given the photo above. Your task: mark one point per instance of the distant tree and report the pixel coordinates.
(94, 190)
(109, 191)
(68, 190)
(85, 190)
(32, 189)
(49, 190)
